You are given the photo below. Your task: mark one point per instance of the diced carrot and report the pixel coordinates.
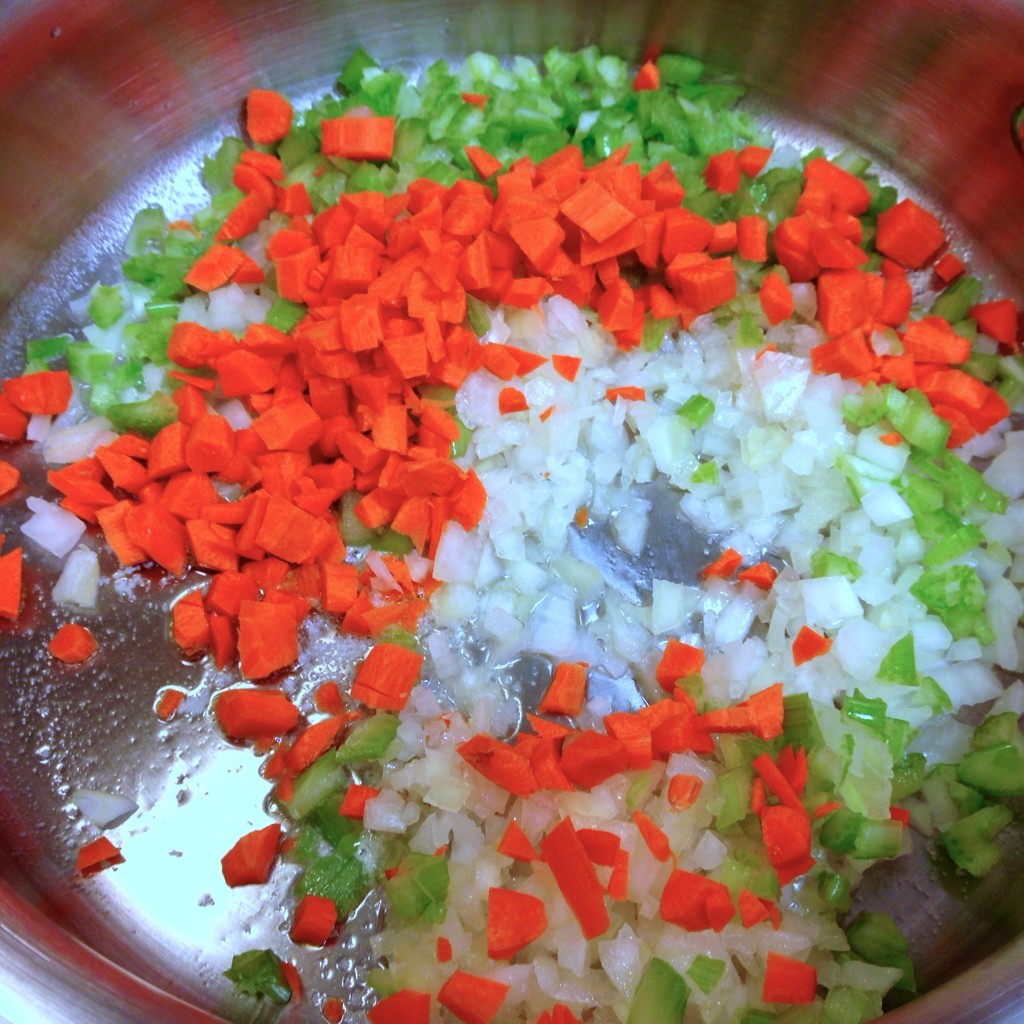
(251, 859)
(95, 856)
(315, 919)
(471, 998)
(683, 790)
(402, 1007)
(72, 644)
(722, 172)
(216, 267)
(356, 798)
(386, 676)
(752, 238)
(512, 400)
(829, 188)
(567, 691)
(499, 763)
(190, 625)
(997, 319)
(566, 366)
(602, 847)
(788, 981)
(250, 713)
(268, 115)
(589, 758)
(313, 741)
(792, 762)
(909, 234)
(168, 703)
(678, 661)
(594, 209)
(703, 286)
(809, 644)
(723, 566)
(628, 393)
(752, 159)
(761, 575)
(656, 840)
(267, 639)
(10, 477)
(10, 584)
(358, 138)
(515, 844)
(752, 910)
(574, 873)
(648, 77)
(948, 268)
(159, 534)
(696, 903)
(443, 950)
(484, 163)
(787, 839)
(46, 393)
(13, 422)
(514, 920)
(933, 340)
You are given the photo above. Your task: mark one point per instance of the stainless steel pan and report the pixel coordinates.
(105, 105)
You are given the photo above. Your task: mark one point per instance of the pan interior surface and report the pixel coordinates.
(109, 106)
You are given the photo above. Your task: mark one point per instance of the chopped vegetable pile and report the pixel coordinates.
(428, 369)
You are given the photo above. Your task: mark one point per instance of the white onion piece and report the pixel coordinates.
(104, 810)
(52, 527)
(66, 444)
(78, 583)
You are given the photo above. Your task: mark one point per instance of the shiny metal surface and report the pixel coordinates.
(105, 105)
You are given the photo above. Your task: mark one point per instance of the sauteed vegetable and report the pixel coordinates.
(641, 456)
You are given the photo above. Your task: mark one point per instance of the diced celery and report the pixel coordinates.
(864, 408)
(147, 231)
(661, 995)
(334, 827)
(218, 170)
(876, 938)
(731, 800)
(828, 563)
(284, 314)
(324, 777)
(340, 877)
(908, 775)
(353, 531)
(997, 770)
(257, 972)
(705, 473)
(800, 724)
(677, 69)
(957, 596)
(697, 410)
(369, 739)
(86, 362)
(478, 313)
(420, 888)
(42, 350)
(1001, 728)
(965, 538)
(106, 306)
(912, 416)
(748, 333)
(899, 664)
(391, 542)
(955, 302)
(836, 890)
(970, 841)
(145, 417)
(706, 972)
(846, 1005)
